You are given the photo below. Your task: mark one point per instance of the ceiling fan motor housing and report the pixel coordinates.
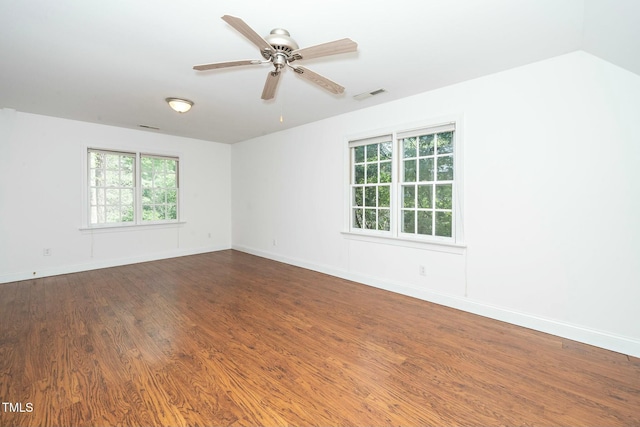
(281, 41)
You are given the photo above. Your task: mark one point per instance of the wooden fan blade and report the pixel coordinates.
(270, 85)
(325, 49)
(248, 32)
(320, 80)
(216, 65)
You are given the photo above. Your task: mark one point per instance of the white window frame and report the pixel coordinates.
(102, 191)
(395, 235)
(138, 222)
(141, 204)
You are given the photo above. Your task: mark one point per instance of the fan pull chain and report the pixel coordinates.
(282, 106)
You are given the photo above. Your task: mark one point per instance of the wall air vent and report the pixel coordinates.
(366, 95)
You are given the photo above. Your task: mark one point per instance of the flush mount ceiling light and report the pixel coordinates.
(180, 105)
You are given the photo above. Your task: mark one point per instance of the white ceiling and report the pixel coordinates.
(114, 62)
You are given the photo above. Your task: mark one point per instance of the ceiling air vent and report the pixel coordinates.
(366, 95)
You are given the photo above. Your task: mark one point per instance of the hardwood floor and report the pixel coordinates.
(227, 338)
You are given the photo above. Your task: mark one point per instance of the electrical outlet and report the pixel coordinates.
(422, 271)
(46, 252)
(275, 242)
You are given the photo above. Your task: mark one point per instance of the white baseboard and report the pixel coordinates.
(106, 263)
(609, 341)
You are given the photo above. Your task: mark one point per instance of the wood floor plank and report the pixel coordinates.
(227, 338)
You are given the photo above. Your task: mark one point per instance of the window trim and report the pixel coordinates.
(138, 223)
(395, 236)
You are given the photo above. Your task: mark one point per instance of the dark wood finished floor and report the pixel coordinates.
(231, 339)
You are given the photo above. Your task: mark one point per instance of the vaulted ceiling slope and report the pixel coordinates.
(115, 62)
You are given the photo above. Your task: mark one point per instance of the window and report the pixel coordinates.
(159, 188)
(371, 187)
(131, 188)
(404, 184)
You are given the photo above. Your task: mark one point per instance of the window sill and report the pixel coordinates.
(452, 248)
(133, 227)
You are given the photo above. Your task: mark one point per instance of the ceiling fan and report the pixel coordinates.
(281, 50)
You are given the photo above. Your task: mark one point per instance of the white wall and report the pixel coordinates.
(551, 200)
(41, 192)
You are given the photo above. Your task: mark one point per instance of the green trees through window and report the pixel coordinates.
(427, 184)
(159, 183)
(416, 200)
(371, 190)
(130, 188)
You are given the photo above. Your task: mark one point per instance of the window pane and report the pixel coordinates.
(425, 145)
(445, 168)
(386, 150)
(113, 196)
(384, 196)
(359, 174)
(93, 213)
(96, 177)
(408, 221)
(95, 160)
(93, 196)
(443, 224)
(444, 196)
(358, 155)
(172, 211)
(146, 177)
(370, 219)
(370, 196)
(408, 196)
(127, 197)
(425, 222)
(113, 213)
(159, 196)
(358, 196)
(127, 164)
(112, 161)
(425, 196)
(147, 212)
(409, 147)
(113, 179)
(445, 142)
(409, 171)
(127, 213)
(172, 166)
(385, 172)
(357, 218)
(384, 221)
(158, 165)
(372, 173)
(426, 169)
(372, 153)
(146, 164)
(170, 181)
(172, 196)
(160, 212)
(126, 179)
(147, 196)
(160, 188)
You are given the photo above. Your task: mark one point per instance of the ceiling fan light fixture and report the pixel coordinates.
(179, 105)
